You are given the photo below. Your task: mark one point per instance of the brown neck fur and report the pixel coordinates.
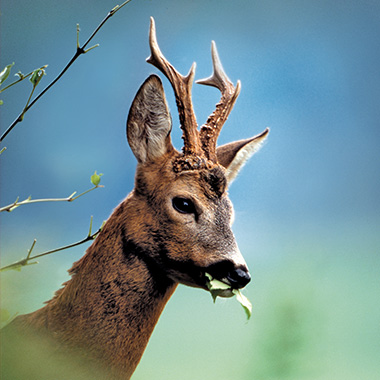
(110, 306)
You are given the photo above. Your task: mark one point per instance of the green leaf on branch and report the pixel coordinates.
(95, 178)
(37, 76)
(5, 73)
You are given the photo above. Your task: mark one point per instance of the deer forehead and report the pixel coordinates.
(210, 183)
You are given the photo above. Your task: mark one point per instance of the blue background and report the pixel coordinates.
(307, 205)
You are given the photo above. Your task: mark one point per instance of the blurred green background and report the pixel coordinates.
(307, 206)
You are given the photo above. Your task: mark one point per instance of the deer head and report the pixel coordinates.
(183, 195)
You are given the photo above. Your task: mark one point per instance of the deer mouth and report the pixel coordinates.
(224, 289)
(218, 288)
(224, 275)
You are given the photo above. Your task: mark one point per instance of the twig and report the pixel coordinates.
(79, 52)
(24, 262)
(29, 200)
(22, 77)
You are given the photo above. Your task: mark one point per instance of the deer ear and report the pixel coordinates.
(149, 122)
(234, 155)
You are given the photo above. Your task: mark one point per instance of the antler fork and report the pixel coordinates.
(210, 131)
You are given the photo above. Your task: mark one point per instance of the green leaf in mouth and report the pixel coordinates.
(221, 289)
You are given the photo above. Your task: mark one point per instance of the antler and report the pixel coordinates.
(196, 143)
(182, 89)
(210, 131)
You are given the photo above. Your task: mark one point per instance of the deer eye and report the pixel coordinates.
(184, 206)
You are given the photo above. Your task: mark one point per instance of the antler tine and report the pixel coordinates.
(218, 79)
(210, 131)
(182, 89)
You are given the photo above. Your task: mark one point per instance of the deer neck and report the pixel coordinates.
(114, 298)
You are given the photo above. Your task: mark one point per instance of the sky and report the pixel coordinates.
(307, 205)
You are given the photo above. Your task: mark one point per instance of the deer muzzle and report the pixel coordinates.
(226, 271)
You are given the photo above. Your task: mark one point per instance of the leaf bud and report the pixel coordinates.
(37, 76)
(95, 178)
(5, 73)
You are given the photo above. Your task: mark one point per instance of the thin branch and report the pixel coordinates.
(24, 262)
(29, 200)
(79, 52)
(21, 78)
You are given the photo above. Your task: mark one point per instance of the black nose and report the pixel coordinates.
(226, 271)
(238, 278)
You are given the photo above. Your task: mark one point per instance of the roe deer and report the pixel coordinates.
(174, 227)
